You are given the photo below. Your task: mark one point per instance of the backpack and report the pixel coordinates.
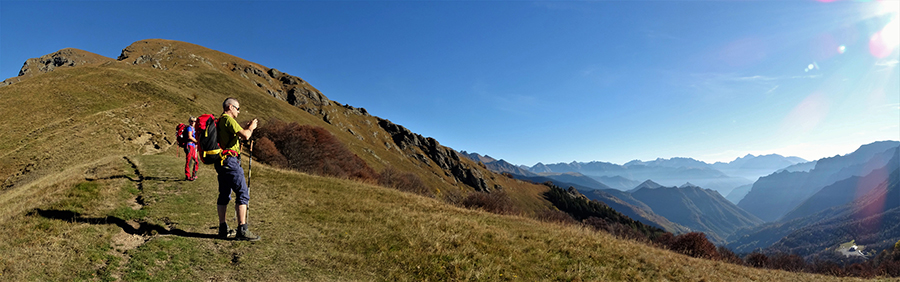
(181, 137)
(208, 139)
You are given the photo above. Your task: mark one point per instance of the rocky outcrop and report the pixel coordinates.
(68, 57)
(445, 158)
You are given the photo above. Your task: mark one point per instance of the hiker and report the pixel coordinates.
(190, 150)
(231, 174)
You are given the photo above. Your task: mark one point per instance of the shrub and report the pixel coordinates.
(695, 244)
(266, 152)
(826, 267)
(757, 260)
(728, 256)
(496, 202)
(554, 215)
(787, 262)
(615, 228)
(403, 181)
(863, 270)
(664, 240)
(889, 268)
(309, 149)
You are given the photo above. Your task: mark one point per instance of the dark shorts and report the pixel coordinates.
(231, 178)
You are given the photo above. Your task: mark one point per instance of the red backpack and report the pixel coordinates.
(208, 139)
(180, 138)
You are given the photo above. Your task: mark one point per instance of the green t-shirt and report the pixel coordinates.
(227, 129)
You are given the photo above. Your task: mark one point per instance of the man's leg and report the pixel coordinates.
(241, 211)
(223, 178)
(222, 209)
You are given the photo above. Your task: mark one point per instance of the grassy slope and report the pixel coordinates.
(313, 228)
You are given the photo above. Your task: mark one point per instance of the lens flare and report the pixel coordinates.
(886, 41)
(842, 49)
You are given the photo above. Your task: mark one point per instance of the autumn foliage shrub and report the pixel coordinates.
(554, 215)
(789, 262)
(496, 202)
(403, 181)
(695, 244)
(309, 149)
(615, 228)
(728, 256)
(757, 260)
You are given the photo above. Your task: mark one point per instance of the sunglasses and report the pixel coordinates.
(236, 108)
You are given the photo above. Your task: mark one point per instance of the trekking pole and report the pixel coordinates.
(249, 174)
(250, 166)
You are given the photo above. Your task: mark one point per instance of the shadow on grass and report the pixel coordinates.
(144, 228)
(164, 179)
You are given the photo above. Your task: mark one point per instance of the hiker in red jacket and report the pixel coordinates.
(190, 150)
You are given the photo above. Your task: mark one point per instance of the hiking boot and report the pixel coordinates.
(244, 234)
(224, 232)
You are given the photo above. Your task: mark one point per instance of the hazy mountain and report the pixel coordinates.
(807, 166)
(648, 184)
(870, 220)
(673, 162)
(624, 203)
(752, 167)
(696, 208)
(576, 178)
(844, 191)
(738, 193)
(670, 172)
(775, 195)
(539, 168)
(618, 182)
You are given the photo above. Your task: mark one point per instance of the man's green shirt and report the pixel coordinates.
(227, 129)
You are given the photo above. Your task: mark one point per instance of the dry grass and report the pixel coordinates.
(316, 229)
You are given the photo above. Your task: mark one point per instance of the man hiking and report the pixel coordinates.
(231, 174)
(190, 150)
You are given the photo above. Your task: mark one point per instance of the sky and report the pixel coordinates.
(543, 81)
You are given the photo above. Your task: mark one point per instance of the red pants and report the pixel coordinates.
(190, 152)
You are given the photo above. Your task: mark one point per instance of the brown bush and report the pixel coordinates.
(728, 256)
(310, 149)
(496, 202)
(403, 181)
(664, 240)
(266, 152)
(787, 262)
(826, 267)
(890, 268)
(695, 244)
(863, 270)
(615, 228)
(757, 260)
(555, 215)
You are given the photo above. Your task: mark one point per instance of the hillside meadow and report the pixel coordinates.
(134, 218)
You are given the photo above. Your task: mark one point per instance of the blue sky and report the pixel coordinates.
(543, 81)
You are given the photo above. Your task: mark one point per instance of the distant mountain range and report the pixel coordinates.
(775, 195)
(670, 172)
(870, 219)
(696, 208)
(848, 197)
(857, 207)
(674, 209)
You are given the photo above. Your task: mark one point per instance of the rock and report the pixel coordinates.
(274, 73)
(446, 158)
(68, 57)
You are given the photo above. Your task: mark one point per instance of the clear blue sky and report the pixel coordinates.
(536, 81)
